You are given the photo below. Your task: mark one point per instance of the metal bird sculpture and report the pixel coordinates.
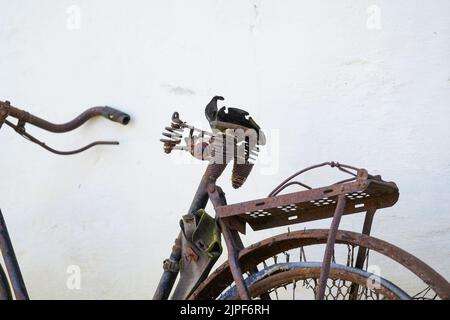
(240, 117)
(235, 137)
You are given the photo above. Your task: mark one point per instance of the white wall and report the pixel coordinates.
(333, 83)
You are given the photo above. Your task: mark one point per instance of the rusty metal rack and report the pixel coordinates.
(364, 193)
(360, 193)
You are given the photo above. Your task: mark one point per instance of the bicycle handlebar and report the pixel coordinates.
(26, 117)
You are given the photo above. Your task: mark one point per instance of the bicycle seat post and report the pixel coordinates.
(212, 173)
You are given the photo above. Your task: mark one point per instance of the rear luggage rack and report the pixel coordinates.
(363, 193)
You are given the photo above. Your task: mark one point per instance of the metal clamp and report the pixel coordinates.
(171, 266)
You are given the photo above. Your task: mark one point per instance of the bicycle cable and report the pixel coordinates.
(20, 129)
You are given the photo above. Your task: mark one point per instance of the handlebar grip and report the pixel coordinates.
(116, 115)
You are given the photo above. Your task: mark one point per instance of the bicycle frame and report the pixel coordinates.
(12, 267)
(360, 193)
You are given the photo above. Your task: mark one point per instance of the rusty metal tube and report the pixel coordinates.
(339, 166)
(233, 261)
(5, 291)
(367, 226)
(168, 277)
(107, 112)
(201, 197)
(361, 256)
(330, 247)
(218, 199)
(12, 266)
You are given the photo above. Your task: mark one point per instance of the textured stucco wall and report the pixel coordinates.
(360, 82)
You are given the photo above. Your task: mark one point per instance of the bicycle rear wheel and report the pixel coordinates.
(298, 280)
(430, 284)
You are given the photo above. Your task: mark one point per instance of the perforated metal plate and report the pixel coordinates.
(309, 205)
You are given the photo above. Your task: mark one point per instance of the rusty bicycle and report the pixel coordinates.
(278, 267)
(12, 284)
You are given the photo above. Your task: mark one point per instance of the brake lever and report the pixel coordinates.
(20, 129)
